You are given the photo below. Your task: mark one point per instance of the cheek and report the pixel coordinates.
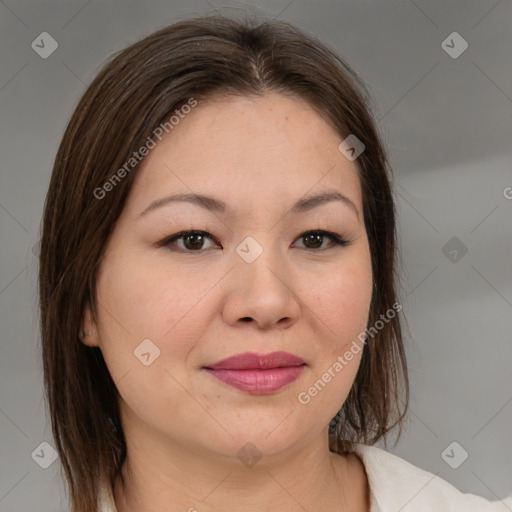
(141, 301)
(344, 301)
(150, 300)
(343, 309)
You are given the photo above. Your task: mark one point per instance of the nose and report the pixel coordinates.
(262, 293)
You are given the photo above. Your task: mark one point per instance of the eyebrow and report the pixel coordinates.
(215, 205)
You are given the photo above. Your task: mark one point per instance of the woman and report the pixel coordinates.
(220, 322)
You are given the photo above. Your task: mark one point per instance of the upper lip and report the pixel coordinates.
(254, 361)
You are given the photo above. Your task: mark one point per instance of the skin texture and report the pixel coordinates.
(183, 427)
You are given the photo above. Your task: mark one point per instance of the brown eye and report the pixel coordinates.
(315, 239)
(192, 241)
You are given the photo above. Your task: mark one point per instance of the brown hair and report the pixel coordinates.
(132, 95)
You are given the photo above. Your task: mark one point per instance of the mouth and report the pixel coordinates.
(258, 374)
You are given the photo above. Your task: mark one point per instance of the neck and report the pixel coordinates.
(174, 478)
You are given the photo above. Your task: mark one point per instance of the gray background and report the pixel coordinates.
(448, 124)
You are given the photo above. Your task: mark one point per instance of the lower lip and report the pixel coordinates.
(258, 382)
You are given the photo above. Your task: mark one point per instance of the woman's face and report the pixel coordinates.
(254, 282)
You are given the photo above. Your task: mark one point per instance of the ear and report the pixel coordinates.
(89, 331)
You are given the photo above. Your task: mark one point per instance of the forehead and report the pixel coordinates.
(271, 148)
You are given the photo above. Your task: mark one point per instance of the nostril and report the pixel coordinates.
(246, 319)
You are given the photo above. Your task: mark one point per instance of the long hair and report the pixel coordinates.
(134, 93)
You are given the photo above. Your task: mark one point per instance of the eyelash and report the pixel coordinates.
(336, 240)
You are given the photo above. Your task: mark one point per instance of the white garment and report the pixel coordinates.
(396, 486)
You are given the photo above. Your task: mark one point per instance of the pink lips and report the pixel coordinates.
(258, 374)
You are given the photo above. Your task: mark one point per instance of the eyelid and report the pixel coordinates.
(168, 240)
(336, 240)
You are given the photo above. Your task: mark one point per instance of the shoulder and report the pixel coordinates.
(395, 484)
